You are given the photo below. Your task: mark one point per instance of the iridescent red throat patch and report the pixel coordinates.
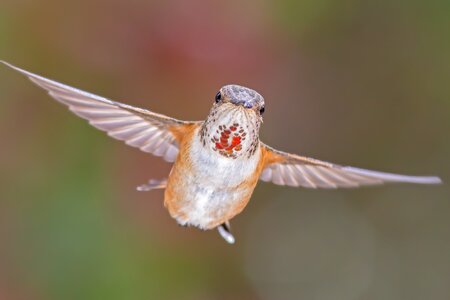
(228, 140)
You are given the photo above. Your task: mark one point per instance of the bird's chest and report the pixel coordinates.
(206, 188)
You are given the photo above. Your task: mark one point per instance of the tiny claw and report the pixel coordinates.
(152, 184)
(224, 231)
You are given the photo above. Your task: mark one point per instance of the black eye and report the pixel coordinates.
(262, 110)
(218, 97)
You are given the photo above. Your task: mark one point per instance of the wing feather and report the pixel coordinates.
(146, 130)
(293, 170)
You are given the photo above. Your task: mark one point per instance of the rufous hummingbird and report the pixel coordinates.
(218, 161)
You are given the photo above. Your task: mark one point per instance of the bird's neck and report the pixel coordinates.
(232, 137)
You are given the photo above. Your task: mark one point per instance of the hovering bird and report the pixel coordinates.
(218, 161)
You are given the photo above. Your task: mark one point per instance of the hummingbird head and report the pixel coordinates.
(241, 96)
(232, 126)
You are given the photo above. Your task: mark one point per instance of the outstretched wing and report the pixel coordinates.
(140, 128)
(294, 170)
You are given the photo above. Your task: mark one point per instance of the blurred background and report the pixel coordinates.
(363, 83)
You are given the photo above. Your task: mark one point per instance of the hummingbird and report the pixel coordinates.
(217, 162)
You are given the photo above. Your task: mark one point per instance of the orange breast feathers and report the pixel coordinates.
(185, 205)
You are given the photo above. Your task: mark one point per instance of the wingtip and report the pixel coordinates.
(427, 180)
(10, 65)
(29, 74)
(391, 177)
(5, 63)
(434, 180)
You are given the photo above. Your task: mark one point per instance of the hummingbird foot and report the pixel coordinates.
(152, 184)
(225, 232)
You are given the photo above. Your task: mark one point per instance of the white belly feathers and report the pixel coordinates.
(212, 182)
